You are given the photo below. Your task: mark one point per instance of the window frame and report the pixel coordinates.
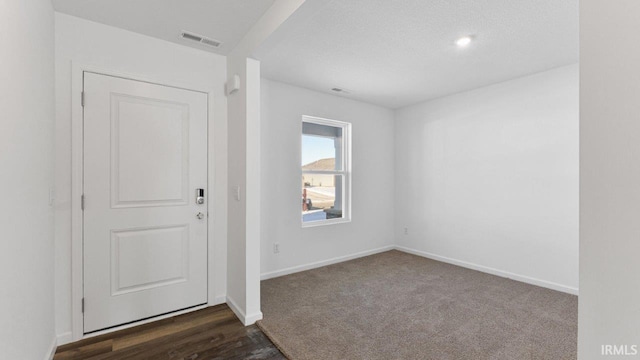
(345, 172)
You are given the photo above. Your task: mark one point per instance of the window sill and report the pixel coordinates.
(324, 222)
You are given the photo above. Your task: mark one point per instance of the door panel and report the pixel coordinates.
(156, 134)
(161, 251)
(145, 154)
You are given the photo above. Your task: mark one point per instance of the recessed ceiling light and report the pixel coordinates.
(464, 41)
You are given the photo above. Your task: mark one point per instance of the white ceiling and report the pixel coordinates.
(224, 20)
(399, 52)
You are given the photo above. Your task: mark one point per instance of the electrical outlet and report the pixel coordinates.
(276, 248)
(406, 231)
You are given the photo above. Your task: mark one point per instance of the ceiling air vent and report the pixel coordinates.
(341, 91)
(201, 39)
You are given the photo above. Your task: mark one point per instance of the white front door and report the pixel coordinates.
(145, 235)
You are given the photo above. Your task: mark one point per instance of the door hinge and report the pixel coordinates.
(83, 305)
(82, 99)
(82, 202)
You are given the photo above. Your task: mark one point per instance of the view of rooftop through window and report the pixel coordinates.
(316, 148)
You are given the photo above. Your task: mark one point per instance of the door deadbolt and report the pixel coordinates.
(200, 196)
(200, 215)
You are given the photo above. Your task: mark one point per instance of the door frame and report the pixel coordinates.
(77, 170)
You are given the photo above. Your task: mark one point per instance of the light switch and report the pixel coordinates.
(52, 196)
(236, 192)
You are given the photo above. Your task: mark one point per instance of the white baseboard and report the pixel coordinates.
(235, 308)
(246, 320)
(317, 264)
(218, 300)
(492, 271)
(64, 338)
(52, 350)
(252, 318)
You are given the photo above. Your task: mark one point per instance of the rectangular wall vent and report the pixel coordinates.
(201, 39)
(210, 42)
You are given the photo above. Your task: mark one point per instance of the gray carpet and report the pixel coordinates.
(400, 306)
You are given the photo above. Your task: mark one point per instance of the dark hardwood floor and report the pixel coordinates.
(211, 333)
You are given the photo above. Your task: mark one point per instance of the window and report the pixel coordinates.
(326, 171)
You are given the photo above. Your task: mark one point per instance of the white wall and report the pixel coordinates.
(237, 214)
(86, 42)
(372, 205)
(243, 255)
(489, 178)
(609, 304)
(26, 167)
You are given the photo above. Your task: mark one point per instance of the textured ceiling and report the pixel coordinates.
(224, 20)
(399, 52)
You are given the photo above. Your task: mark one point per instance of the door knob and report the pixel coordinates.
(200, 216)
